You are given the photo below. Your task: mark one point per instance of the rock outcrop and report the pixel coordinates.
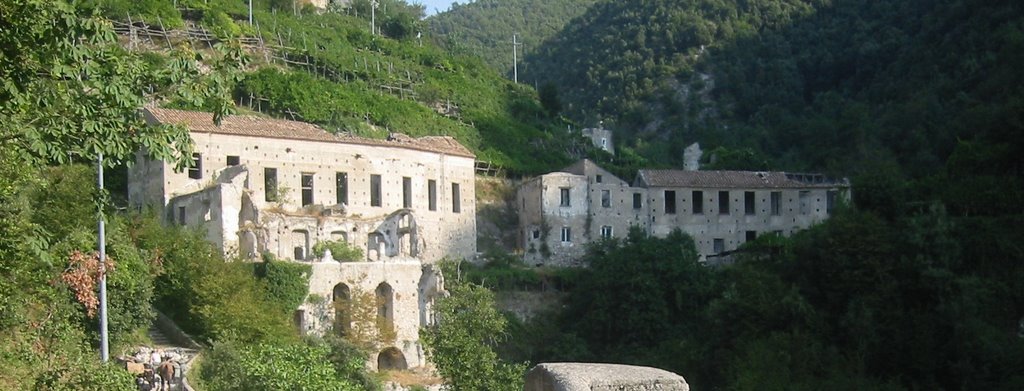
(601, 377)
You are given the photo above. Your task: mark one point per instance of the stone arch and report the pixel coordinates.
(300, 244)
(375, 246)
(342, 301)
(247, 244)
(385, 299)
(391, 359)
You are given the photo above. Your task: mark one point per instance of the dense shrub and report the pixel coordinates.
(341, 251)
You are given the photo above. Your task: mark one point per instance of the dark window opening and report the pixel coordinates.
(341, 182)
(307, 189)
(406, 192)
(606, 231)
(805, 205)
(598, 179)
(234, 161)
(670, 202)
(432, 194)
(723, 202)
(564, 193)
(456, 199)
(751, 235)
(536, 234)
(270, 184)
(748, 203)
(606, 198)
(375, 190)
(776, 203)
(181, 215)
(566, 235)
(195, 171)
(830, 201)
(719, 246)
(638, 201)
(698, 202)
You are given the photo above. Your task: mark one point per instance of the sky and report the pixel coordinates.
(435, 6)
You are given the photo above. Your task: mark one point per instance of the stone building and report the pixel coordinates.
(259, 185)
(561, 212)
(601, 138)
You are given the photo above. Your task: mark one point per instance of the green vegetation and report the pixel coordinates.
(484, 28)
(920, 300)
(461, 344)
(341, 251)
(263, 367)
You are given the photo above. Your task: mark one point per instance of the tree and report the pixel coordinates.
(549, 99)
(462, 342)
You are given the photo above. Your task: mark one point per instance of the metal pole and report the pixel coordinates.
(104, 349)
(515, 59)
(250, 12)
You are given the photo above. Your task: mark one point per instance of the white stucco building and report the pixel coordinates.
(561, 212)
(258, 185)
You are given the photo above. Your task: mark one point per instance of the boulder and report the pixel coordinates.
(601, 377)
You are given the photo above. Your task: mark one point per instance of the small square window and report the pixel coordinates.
(233, 161)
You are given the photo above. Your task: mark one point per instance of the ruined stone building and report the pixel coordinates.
(561, 212)
(601, 138)
(259, 185)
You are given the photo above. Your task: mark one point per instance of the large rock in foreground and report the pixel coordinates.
(601, 377)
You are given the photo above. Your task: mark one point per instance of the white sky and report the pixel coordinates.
(435, 6)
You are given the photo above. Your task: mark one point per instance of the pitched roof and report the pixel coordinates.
(253, 126)
(735, 179)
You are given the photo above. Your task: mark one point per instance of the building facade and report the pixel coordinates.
(561, 212)
(259, 185)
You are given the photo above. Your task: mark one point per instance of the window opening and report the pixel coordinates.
(564, 192)
(195, 171)
(670, 202)
(456, 199)
(375, 190)
(233, 160)
(406, 192)
(307, 189)
(748, 203)
(723, 202)
(341, 184)
(606, 198)
(270, 184)
(432, 195)
(698, 202)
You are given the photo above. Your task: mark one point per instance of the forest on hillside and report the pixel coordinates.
(484, 28)
(840, 86)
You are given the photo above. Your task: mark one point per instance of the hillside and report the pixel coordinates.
(821, 85)
(484, 28)
(327, 68)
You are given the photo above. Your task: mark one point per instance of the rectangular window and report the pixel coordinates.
(181, 215)
(606, 232)
(748, 203)
(233, 161)
(456, 198)
(536, 234)
(638, 201)
(341, 183)
(830, 201)
(750, 236)
(566, 235)
(606, 198)
(805, 205)
(564, 192)
(670, 202)
(375, 190)
(406, 192)
(432, 195)
(195, 171)
(723, 202)
(270, 184)
(307, 188)
(599, 179)
(719, 246)
(698, 202)
(776, 203)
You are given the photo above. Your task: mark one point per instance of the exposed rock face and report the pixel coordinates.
(601, 377)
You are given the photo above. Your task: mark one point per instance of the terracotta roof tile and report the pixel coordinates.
(736, 179)
(253, 126)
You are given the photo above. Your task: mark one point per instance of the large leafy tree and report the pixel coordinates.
(462, 342)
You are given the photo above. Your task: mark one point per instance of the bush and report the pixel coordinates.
(271, 367)
(287, 283)
(341, 251)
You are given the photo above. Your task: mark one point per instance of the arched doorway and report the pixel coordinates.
(342, 301)
(385, 301)
(391, 359)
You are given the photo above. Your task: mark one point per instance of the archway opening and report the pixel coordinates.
(391, 359)
(342, 300)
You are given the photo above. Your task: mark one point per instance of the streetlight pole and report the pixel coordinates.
(373, 17)
(104, 347)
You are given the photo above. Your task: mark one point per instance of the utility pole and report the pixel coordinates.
(373, 17)
(515, 58)
(250, 12)
(104, 346)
